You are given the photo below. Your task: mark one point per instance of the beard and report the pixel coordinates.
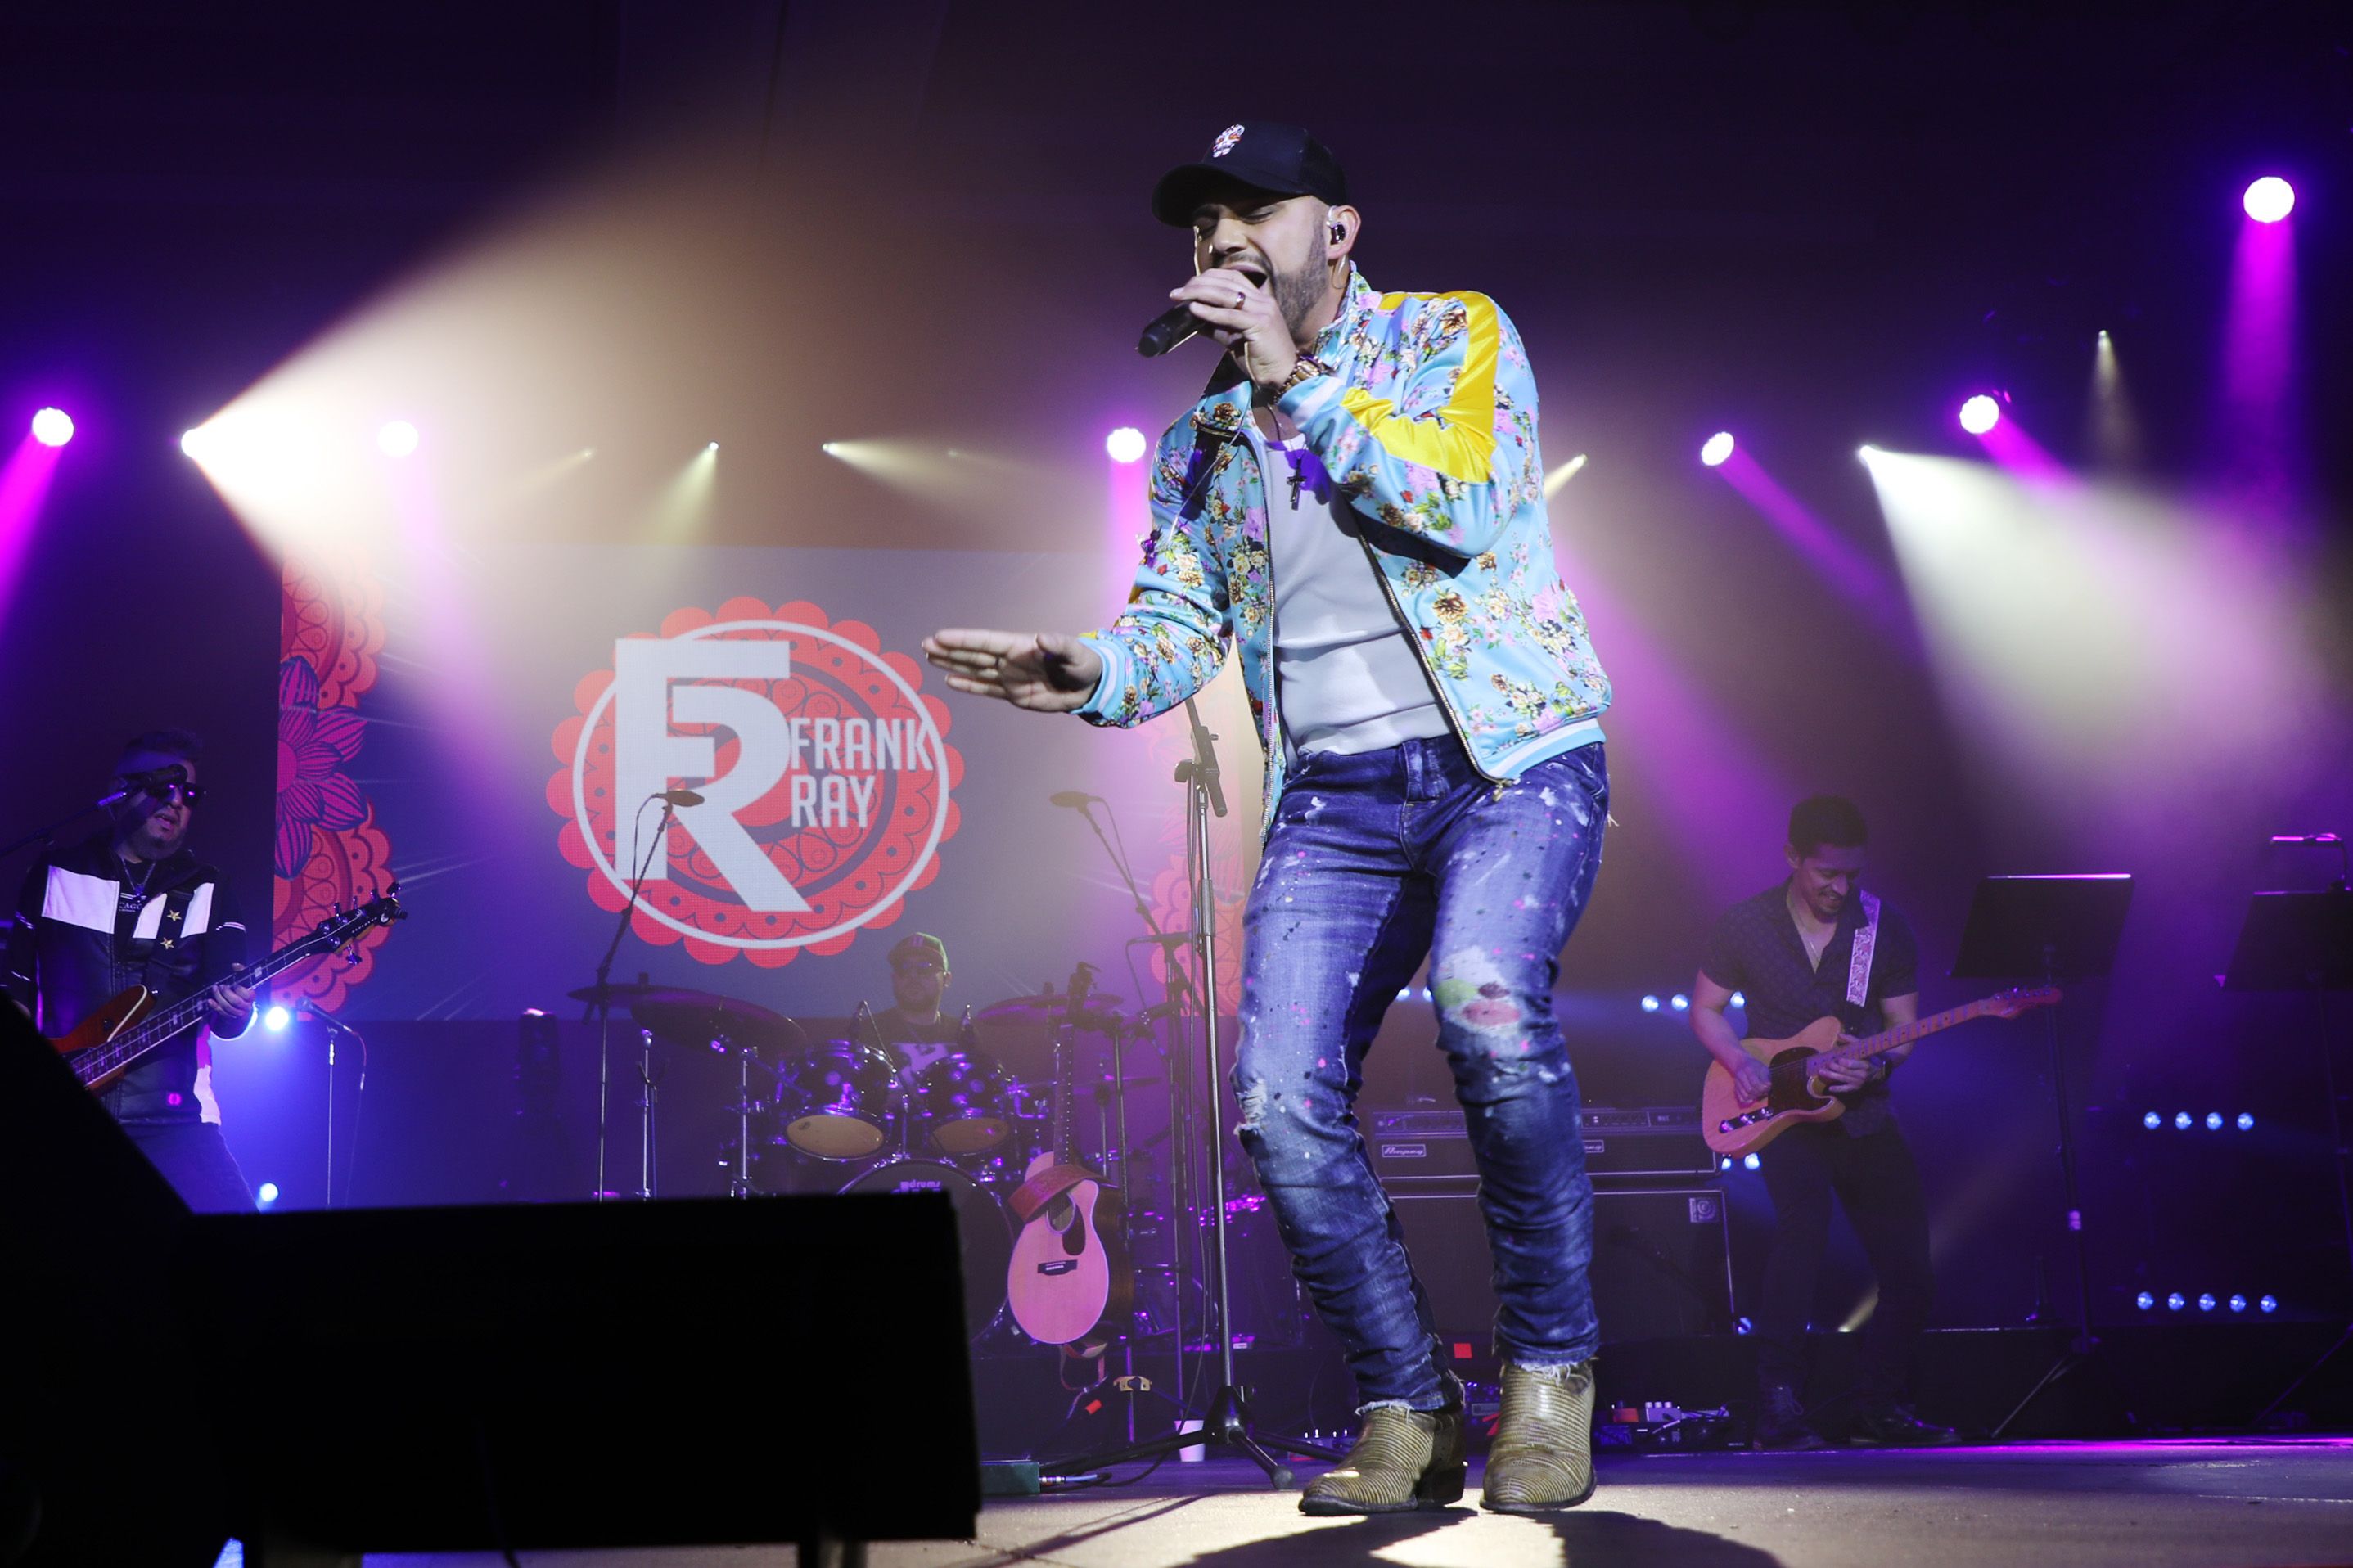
(1297, 294)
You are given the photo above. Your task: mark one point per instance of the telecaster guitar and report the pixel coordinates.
(105, 1044)
(1734, 1127)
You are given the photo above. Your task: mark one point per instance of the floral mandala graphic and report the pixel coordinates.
(329, 853)
(851, 869)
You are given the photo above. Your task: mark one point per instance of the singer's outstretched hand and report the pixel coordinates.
(1044, 671)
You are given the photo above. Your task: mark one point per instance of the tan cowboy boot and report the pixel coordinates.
(1402, 1459)
(1543, 1457)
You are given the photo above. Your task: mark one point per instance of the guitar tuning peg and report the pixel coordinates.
(351, 959)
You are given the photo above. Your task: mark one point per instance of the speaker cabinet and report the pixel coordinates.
(1661, 1263)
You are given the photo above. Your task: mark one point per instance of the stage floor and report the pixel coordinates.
(2082, 1505)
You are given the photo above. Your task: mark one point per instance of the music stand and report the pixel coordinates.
(2304, 941)
(2049, 928)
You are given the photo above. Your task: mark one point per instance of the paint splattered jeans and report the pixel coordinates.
(1373, 862)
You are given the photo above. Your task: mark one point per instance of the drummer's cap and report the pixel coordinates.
(928, 949)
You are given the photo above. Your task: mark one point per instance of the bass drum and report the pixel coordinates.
(981, 1228)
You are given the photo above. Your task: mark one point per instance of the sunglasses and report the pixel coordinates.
(177, 793)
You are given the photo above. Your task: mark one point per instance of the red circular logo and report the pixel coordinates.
(825, 771)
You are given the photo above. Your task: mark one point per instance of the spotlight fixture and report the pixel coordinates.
(2182, 1120)
(1125, 445)
(2267, 1303)
(52, 428)
(266, 1194)
(2213, 1122)
(1979, 414)
(712, 448)
(2206, 1301)
(2246, 1121)
(2144, 1301)
(396, 438)
(1650, 1003)
(1716, 448)
(830, 449)
(2174, 1302)
(1866, 452)
(2269, 199)
(1751, 1161)
(2152, 1121)
(276, 1017)
(2238, 1302)
(1679, 1002)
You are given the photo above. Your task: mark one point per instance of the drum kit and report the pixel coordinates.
(851, 1115)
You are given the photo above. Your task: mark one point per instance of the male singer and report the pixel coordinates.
(1357, 500)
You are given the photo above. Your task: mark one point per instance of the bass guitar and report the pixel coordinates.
(1733, 1126)
(106, 1043)
(1069, 1274)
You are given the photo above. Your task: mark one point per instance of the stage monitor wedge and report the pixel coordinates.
(548, 1376)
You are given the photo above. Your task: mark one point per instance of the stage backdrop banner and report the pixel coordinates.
(492, 727)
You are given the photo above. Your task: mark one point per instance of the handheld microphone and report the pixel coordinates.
(677, 796)
(1079, 799)
(1167, 330)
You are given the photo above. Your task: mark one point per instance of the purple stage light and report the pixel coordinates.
(1717, 447)
(1979, 414)
(276, 1017)
(1125, 445)
(2269, 199)
(265, 1195)
(52, 428)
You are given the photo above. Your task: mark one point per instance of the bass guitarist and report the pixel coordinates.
(1810, 947)
(131, 906)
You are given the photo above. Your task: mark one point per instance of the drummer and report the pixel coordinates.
(915, 1028)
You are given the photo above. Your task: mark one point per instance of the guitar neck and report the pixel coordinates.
(1919, 1029)
(103, 1061)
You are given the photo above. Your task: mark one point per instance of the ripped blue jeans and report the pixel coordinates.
(1375, 861)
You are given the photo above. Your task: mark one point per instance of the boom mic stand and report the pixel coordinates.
(1226, 1423)
(601, 1004)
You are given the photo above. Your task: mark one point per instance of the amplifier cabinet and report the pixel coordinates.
(1662, 1262)
(1431, 1144)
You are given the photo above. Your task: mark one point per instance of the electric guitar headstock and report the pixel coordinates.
(2011, 1004)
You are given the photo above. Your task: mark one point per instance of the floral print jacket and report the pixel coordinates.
(1428, 423)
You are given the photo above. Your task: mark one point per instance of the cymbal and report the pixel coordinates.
(1050, 1009)
(678, 1012)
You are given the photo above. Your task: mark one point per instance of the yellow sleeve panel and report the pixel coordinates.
(1459, 441)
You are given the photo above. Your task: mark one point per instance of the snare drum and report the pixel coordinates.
(840, 1101)
(964, 1103)
(982, 1230)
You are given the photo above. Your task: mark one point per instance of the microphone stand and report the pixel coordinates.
(601, 1004)
(1226, 1423)
(334, 1026)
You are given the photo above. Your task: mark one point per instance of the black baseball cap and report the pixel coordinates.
(1283, 159)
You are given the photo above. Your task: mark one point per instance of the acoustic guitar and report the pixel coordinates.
(105, 1044)
(1733, 1126)
(1069, 1274)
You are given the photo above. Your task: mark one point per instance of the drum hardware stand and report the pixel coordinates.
(1177, 989)
(1226, 1422)
(601, 1005)
(740, 1184)
(2052, 928)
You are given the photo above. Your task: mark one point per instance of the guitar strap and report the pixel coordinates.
(1043, 1188)
(1867, 942)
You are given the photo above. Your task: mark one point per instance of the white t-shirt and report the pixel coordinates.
(1347, 678)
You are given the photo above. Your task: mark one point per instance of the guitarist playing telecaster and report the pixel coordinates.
(1812, 947)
